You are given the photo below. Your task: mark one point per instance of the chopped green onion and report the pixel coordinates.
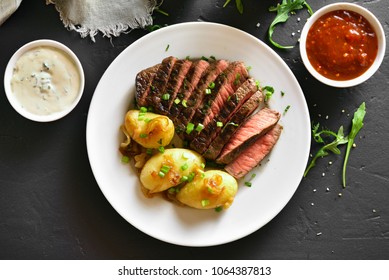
(172, 190)
(219, 209)
(202, 165)
(165, 169)
(185, 166)
(149, 151)
(185, 155)
(282, 93)
(183, 102)
(209, 189)
(248, 184)
(286, 109)
(208, 91)
(189, 128)
(167, 48)
(161, 174)
(184, 178)
(161, 149)
(177, 100)
(219, 124)
(211, 85)
(125, 159)
(213, 57)
(143, 135)
(143, 109)
(199, 127)
(191, 176)
(205, 202)
(204, 58)
(166, 96)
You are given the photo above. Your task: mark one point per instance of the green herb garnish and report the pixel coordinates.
(357, 124)
(269, 91)
(283, 10)
(339, 139)
(239, 5)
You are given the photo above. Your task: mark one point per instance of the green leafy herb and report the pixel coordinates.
(239, 5)
(319, 137)
(357, 124)
(283, 10)
(339, 139)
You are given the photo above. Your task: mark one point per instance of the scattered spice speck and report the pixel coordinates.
(293, 34)
(327, 117)
(319, 233)
(340, 194)
(327, 189)
(330, 162)
(374, 211)
(314, 190)
(354, 145)
(312, 204)
(323, 174)
(258, 24)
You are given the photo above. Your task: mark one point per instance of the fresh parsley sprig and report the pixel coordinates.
(283, 11)
(338, 139)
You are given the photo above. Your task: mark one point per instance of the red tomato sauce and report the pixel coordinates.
(341, 45)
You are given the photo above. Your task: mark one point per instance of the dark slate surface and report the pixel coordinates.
(51, 206)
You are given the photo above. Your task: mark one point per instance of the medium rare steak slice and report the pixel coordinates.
(217, 93)
(256, 126)
(177, 76)
(194, 100)
(142, 84)
(189, 83)
(232, 125)
(254, 154)
(158, 84)
(231, 105)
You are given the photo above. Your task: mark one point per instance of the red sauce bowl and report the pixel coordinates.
(342, 44)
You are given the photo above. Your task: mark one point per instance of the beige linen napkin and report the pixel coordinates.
(7, 7)
(110, 17)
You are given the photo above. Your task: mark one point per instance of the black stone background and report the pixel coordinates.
(52, 208)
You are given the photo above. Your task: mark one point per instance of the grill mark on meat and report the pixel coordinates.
(237, 119)
(194, 100)
(189, 83)
(225, 85)
(230, 106)
(143, 82)
(256, 126)
(254, 154)
(158, 85)
(177, 76)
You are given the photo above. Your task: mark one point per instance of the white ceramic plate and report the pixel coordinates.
(276, 180)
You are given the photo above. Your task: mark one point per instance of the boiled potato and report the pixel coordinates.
(148, 129)
(170, 168)
(214, 188)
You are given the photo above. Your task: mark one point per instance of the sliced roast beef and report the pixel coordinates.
(142, 84)
(189, 83)
(177, 76)
(254, 154)
(232, 125)
(158, 84)
(256, 126)
(195, 99)
(217, 93)
(228, 108)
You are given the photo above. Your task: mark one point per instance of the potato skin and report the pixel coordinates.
(180, 163)
(148, 129)
(212, 189)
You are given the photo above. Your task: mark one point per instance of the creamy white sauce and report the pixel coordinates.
(45, 80)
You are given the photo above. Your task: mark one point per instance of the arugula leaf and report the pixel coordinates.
(357, 124)
(283, 10)
(239, 5)
(339, 139)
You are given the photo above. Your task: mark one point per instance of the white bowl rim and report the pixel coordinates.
(374, 22)
(9, 72)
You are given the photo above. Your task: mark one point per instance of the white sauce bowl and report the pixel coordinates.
(375, 25)
(9, 72)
